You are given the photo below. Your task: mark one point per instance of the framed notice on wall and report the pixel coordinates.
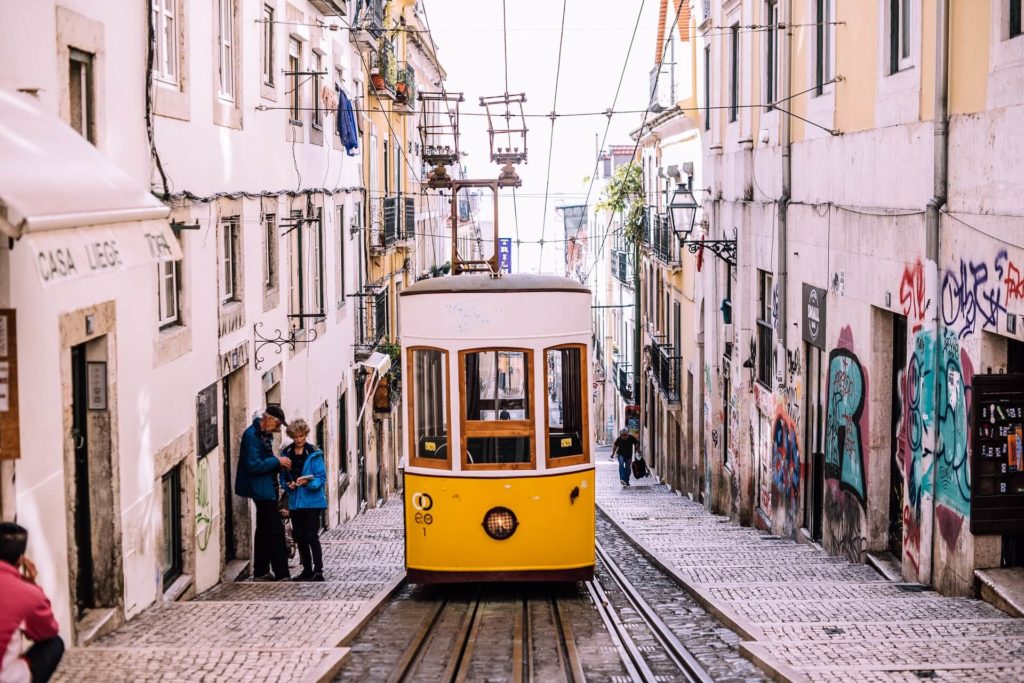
(96, 383)
(10, 440)
(206, 420)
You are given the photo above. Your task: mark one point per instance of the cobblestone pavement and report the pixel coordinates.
(246, 631)
(806, 616)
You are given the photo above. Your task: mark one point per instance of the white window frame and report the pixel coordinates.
(86, 62)
(773, 51)
(168, 315)
(270, 274)
(165, 34)
(825, 58)
(295, 92)
(316, 269)
(229, 260)
(226, 50)
(267, 45)
(317, 115)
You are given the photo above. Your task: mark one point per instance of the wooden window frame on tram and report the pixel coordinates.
(414, 458)
(584, 457)
(497, 428)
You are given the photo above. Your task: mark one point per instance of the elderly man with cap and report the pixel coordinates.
(257, 471)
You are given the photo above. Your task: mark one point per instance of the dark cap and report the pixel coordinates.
(274, 411)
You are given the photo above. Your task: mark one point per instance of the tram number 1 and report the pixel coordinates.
(424, 518)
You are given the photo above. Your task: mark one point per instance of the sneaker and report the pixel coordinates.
(264, 578)
(317, 576)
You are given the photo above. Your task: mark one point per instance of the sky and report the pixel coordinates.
(469, 39)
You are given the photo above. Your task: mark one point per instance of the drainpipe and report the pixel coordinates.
(933, 212)
(787, 173)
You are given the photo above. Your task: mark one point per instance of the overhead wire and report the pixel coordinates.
(515, 199)
(551, 141)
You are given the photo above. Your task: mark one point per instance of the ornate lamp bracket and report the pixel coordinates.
(278, 340)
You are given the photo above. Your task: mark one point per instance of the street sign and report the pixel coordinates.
(505, 254)
(814, 316)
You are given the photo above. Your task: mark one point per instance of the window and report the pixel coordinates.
(169, 276)
(306, 258)
(230, 258)
(226, 48)
(317, 265)
(1015, 23)
(429, 445)
(734, 72)
(566, 405)
(342, 236)
(267, 46)
(764, 328)
(171, 547)
(81, 94)
(165, 58)
(771, 86)
(269, 251)
(899, 35)
(318, 115)
(496, 427)
(295, 94)
(343, 433)
(707, 87)
(822, 44)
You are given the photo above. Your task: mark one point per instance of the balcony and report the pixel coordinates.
(384, 71)
(666, 371)
(623, 379)
(368, 23)
(657, 236)
(405, 89)
(621, 269)
(398, 221)
(372, 324)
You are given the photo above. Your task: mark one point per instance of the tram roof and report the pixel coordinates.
(476, 283)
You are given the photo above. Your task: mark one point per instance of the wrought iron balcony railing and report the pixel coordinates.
(623, 379)
(384, 71)
(665, 366)
(373, 323)
(405, 86)
(369, 17)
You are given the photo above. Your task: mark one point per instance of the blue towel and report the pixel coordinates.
(346, 122)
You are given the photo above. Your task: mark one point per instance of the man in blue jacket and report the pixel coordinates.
(257, 470)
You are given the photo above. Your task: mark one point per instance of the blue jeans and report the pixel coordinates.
(624, 467)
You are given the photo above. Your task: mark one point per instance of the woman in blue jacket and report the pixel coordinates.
(306, 498)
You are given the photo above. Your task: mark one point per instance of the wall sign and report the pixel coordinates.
(96, 384)
(997, 454)
(813, 308)
(206, 420)
(505, 254)
(10, 440)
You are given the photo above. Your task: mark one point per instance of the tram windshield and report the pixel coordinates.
(430, 401)
(497, 386)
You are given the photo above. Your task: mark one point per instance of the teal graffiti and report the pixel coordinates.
(204, 505)
(953, 478)
(844, 452)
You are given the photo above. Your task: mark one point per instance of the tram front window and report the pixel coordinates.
(496, 421)
(430, 401)
(497, 385)
(563, 369)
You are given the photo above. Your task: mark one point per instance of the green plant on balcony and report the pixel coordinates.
(624, 195)
(394, 375)
(405, 88)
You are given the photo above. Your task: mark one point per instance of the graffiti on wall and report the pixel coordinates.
(977, 293)
(912, 294)
(786, 464)
(843, 515)
(204, 504)
(952, 451)
(913, 433)
(845, 425)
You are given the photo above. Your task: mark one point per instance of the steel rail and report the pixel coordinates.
(678, 652)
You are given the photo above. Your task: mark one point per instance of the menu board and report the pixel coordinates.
(997, 454)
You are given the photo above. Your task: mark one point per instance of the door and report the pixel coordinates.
(1013, 544)
(85, 583)
(361, 442)
(230, 547)
(814, 423)
(899, 362)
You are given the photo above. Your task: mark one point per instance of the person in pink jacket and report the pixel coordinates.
(25, 613)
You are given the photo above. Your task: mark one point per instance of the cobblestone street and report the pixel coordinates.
(805, 615)
(244, 631)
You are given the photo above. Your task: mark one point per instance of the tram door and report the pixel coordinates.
(814, 425)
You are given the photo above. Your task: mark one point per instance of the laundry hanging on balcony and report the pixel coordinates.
(346, 123)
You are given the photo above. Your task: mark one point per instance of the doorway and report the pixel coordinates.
(85, 595)
(814, 422)
(1012, 554)
(234, 421)
(899, 362)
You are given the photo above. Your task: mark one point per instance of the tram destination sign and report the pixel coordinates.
(997, 454)
(814, 316)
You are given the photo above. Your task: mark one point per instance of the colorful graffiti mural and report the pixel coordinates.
(976, 292)
(846, 423)
(952, 452)
(786, 465)
(912, 294)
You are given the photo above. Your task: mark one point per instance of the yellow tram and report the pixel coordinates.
(499, 476)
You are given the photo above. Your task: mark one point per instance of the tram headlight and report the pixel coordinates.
(500, 523)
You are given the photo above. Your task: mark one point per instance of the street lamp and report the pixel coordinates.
(683, 211)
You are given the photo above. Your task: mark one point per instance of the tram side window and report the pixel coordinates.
(497, 398)
(497, 386)
(565, 402)
(430, 384)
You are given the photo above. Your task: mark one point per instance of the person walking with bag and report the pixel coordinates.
(623, 448)
(257, 469)
(304, 483)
